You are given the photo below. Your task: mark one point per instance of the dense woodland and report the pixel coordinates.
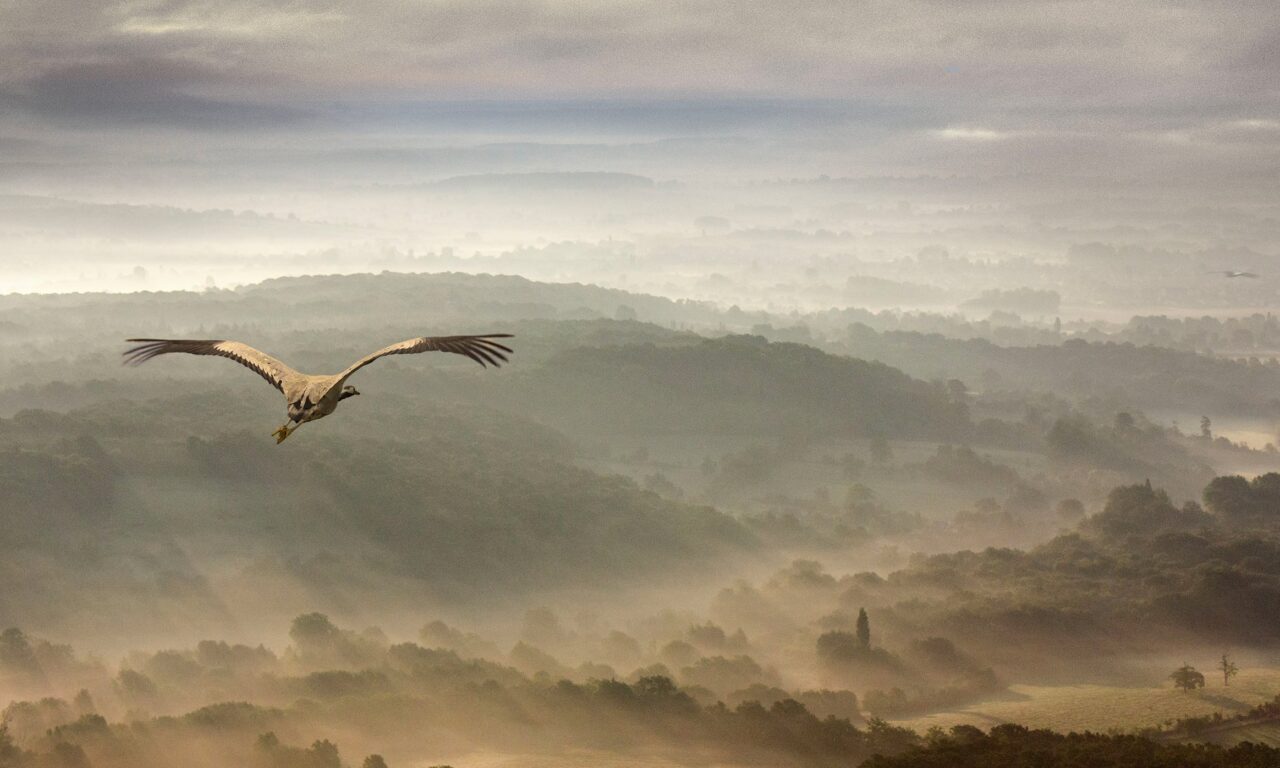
(816, 535)
(1017, 747)
(331, 680)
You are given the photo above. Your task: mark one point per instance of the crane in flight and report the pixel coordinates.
(309, 397)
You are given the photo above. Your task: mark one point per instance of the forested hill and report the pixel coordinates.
(360, 300)
(739, 385)
(576, 365)
(444, 481)
(167, 515)
(1144, 377)
(328, 319)
(321, 323)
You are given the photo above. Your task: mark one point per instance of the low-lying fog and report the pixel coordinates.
(876, 376)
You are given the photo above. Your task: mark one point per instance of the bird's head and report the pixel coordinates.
(348, 391)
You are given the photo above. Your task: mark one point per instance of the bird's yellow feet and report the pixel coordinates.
(281, 433)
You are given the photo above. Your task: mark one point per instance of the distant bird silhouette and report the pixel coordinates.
(1233, 273)
(311, 397)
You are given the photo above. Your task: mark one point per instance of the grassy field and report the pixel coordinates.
(1107, 708)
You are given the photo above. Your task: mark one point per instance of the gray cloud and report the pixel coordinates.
(1054, 74)
(139, 92)
(1080, 50)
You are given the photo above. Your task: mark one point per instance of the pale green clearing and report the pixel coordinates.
(1103, 708)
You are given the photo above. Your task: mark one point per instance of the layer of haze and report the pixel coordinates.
(961, 314)
(157, 145)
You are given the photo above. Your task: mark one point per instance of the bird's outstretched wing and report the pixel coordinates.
(266, 366)
(483, 349)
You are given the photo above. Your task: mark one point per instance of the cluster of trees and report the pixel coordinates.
(91, 742)
(1128, 448)
(1014, 746)
(1145, 377)
(1003, 328)
(932, 659)
(1257, 331)
(71, 476)
(1188, 679)
(331, 678)
(1245, 503)
(651, 711)
(1141, 562)
(823, 523)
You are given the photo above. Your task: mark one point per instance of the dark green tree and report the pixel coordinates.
(16, 653)
(325, 754)
(134, 685)
(1187, 678)
(863, 629)
(1230, 496)
(313, 629)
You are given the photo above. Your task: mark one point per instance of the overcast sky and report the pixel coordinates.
(1196, 79)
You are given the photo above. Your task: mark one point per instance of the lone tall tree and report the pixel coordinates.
(1187, 678)
(863, 629)
(1229, 669)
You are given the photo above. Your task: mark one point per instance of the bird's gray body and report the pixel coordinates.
(310, 397)
(315, 398)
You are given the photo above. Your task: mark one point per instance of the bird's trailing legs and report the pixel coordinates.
(283, 432)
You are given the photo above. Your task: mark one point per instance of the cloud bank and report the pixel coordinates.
(1055, 85)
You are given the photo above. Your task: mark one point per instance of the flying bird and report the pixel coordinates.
(1233, 273)
(310, 397)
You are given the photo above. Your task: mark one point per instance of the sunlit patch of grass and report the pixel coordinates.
(1109, 708)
